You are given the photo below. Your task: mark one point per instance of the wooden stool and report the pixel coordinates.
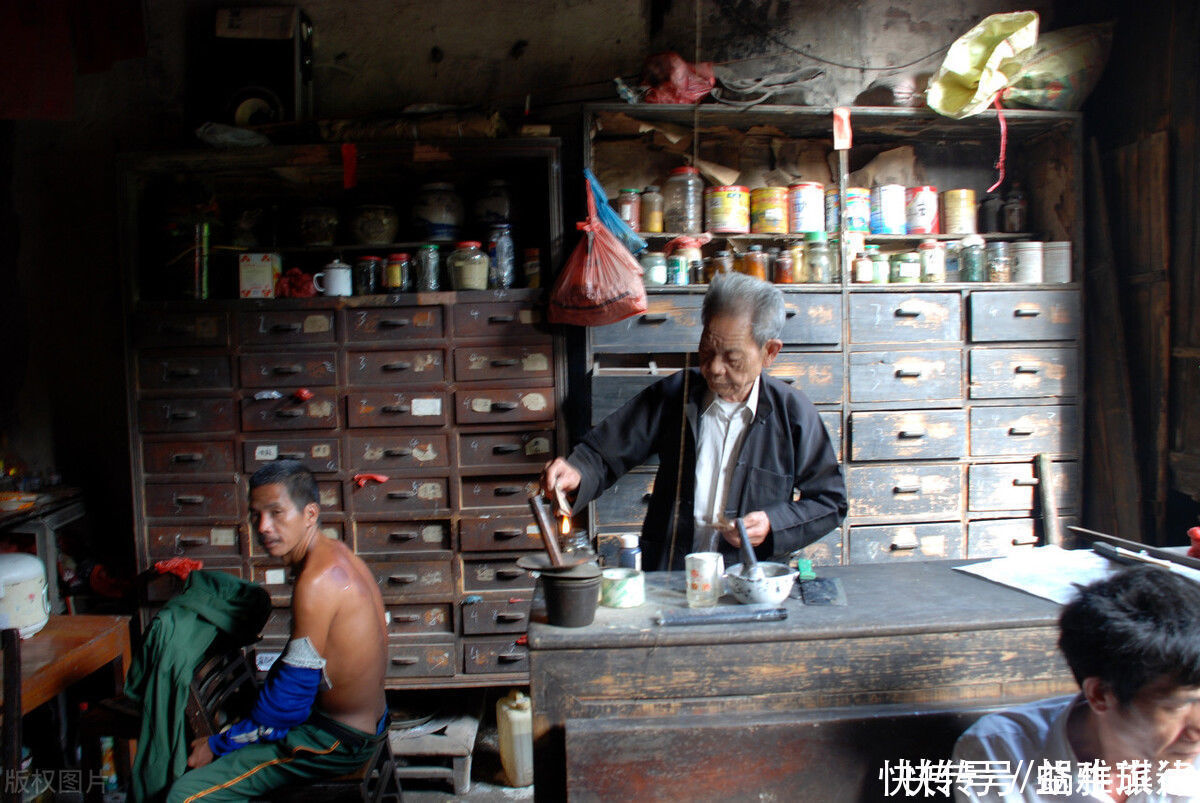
(441, 748)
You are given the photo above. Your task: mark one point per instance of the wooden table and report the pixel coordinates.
(806, 708)
(68, 649)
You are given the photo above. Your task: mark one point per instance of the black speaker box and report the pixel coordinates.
(251, 66)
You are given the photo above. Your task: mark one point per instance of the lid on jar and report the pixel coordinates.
(629, 541)
(633, 190)
(722, 253)
(367, 257)
(469, 244)
(682, 171)
(907, 256)
(814, 236)
(971, 240)
(756, 248)
(430, 247)
(397, 257)
(651, 188)
(928, 244)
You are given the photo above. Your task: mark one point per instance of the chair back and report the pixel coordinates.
(221, 691)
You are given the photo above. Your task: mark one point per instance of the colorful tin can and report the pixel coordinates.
(921, 210)
(727, 209)
(958, 211)
(804, 206)
(887, 209)
(769, 210)
(858, 209)
(677, 268)
(833, 210)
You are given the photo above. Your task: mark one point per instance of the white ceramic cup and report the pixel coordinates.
(334, 280)
(703, 573)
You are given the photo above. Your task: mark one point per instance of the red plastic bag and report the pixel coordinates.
(601, 282)
(673, 80)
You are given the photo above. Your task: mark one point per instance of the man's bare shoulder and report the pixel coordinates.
(329, 569)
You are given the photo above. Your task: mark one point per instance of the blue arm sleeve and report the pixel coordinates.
(283, 703)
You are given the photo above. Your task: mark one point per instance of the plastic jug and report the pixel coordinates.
(514, 721)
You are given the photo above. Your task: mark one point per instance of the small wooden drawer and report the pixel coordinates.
(186, 415)
(279, 624)
(289, 327)
(330, 494)
(183, 372)
(383, 409)
(625, 503)
(421, 660)
(509, 615)
(181, 329)
(395, 324)
(283, 370)
(905, 542)
(397, 451)
(387, 537)
(415, 367)
(1025, 315)
(484, 656)
(193, 499)
(904, 490)
(400, 580)
(818, 375)
(420, 620)
(189, 457)
(499, 320)
(506, 449)
(424, 495)
(826, 550)
(1012, 486)
(319, 455)
(503, 362)
(936, 434)
(812, 319)
(905, 318)
(832, 419)
(508, 492)
(611, 389)
(1013, 373)
(997, 537)
(669, 324)
(884, 376)
(319, 411)
(494, 574)
(276, 580)
(201, 542)
(503, 405)
(1023, 430)
(498, 533)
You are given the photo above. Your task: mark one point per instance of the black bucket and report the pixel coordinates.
(571, 602)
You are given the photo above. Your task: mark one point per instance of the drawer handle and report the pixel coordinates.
(287, 370)
(396, 408)
(1025, 483)
(789, 313)
(406, 618)
(501, 318)
(399, 452)
(183, 415)
(510, 574)
(906, 489)
(402, 579)
(503, 616)
(394, 323)
(904, 374)
(1026, 312)
(405, 660)
(187, 457)
(291, 455)
(288, 413)
(506, 448)
(791, 380)
(401, 494)
(285, 327)
(910, 434)
(504, 363)
(507, 490)
(510, 657)
(403, 535)
(1027, 541)
(1019, 432)
(903, 546)
(399, 365)
(190, 540)
(1026, 369)
(190, 499)
(506, 534)
(183, 373)
(656, 317)
(503, 406)
(901, 312)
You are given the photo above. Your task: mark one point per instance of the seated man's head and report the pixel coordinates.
(743, 319)
(284, 508)
(1133, 644)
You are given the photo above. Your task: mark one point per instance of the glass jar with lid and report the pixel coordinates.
(652, 209)
(468, 266)
(721, 262)
(754, 262)
(906, 268)
(629, 207)
(654, 268)
(817, 258)
(971, 265)
(998, 262)
(683, 201)
(933, 261)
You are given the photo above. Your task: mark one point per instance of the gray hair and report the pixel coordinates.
(739, 294)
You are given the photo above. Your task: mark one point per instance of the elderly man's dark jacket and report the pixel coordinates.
(785, 450)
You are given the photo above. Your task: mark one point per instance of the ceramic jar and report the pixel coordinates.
(374, 225)
(438, 212)
(317, 225)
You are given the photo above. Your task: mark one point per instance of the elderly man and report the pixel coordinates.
(752, 446)
(1133, 732)
(322, 710)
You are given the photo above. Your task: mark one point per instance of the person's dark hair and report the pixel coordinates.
(301, 485)
(738, 294)
(1132, 629)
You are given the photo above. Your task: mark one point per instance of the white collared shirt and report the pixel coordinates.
(723, 427)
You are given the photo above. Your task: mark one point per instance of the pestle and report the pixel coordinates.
(545, 523)
(750, 569)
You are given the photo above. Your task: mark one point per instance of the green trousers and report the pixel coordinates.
(316, 749)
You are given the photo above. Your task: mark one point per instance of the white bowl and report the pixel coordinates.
(772, 589)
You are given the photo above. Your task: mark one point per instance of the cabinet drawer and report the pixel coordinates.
(186, 415)
(1012, 486)
(277, 370)
(421, 660)
(881, 376)
(506, 449)
(387, 537)
(180, 372)
(498, 533)
(811, 319)
(289, 327)
(481, 656)
(1023, 430)
(516, 319)
(1025, 315)
(424, 495)
(200, 542)
(907, 318)
(503, 405)
(397, 450)
(997, 537)
(181, 329)
(611, 390)
(509, 615)
(818, 375)
(330, 495)
(414, 578)
(186, 500)
(904, 490)
(905, 542)
(420, 620)
(188, 457)
(504, 362)
(319, 411)
(400, 324)
(908, 436)
(383, 409)
(625, 502)
(826, 550)
(494, 574)
(1012, 373)
(319, 455)
(668, 324)
(276, 580)
(418, 367)
(832, 419)
(508, 492)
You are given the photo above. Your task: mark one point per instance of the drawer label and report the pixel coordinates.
(329, 497)
(537, 446)
(266, 452)
(330, 532)
(316, 324)
(481, 405)
(429, 490)
(528, 316)
(477, 362)
(533, 401)
(275, 577)
(321, 450)
(535, 363)
(421, 407)
(431, 533)
(322, 409)
(222, 536)
(424, 452)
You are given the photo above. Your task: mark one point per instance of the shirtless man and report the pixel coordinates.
(322, 710)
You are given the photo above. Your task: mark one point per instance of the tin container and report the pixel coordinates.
(921, 210)
(833, 210)
(888, 214)
(958, 211)
(858, 209)
(805, 206)
(678, 268)
(1028, 262)
(727, 209)
(769, 210)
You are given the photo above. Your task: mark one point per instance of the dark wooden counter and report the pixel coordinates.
(627, 708)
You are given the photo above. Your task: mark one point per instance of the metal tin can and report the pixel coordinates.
(833, 210)
(677, 268)
(727, 209)
(921, 210)
(887, 209)
(428, 278)
(958, 211)
(858, 209)
(769, 210)
(805, 209)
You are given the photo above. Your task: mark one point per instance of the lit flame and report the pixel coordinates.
(564, 525)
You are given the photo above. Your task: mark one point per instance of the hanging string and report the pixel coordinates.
(696, 106)
(1003, 144)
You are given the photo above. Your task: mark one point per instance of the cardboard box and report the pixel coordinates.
(257, 274)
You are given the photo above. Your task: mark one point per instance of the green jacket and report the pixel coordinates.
(211, 602)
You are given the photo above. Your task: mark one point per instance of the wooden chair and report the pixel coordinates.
(10, 751)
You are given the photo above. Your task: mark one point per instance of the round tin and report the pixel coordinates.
(858, 209)
(769, 210)
(727, 209)
(805, 206)
(921, 210)
(958, 211)
(887, 209)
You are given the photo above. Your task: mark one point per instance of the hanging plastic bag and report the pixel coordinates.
(1062, 69)
(609, 217)
(673, 80)
(981, 63)
(601, 282)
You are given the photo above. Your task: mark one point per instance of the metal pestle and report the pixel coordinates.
(750, 569)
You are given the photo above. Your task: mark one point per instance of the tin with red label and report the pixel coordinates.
(727, 209)
(921, 210)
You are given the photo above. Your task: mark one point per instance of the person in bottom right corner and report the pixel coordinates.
(1132, 733)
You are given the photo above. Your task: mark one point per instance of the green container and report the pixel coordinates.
(905, 268)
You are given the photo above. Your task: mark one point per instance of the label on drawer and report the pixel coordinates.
(528, 316)
(222, 536)
(275, 577)
(424, 453)
(266, 452)
(481, 405)
(330, 532)
(316, 323)
(427, 406)
(429, 490)
(537, 446)
(321, 409)
(535, 362)
(431, 533)
(533, 401)
(322, 450)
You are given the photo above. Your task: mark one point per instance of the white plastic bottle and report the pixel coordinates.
(514, 721)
